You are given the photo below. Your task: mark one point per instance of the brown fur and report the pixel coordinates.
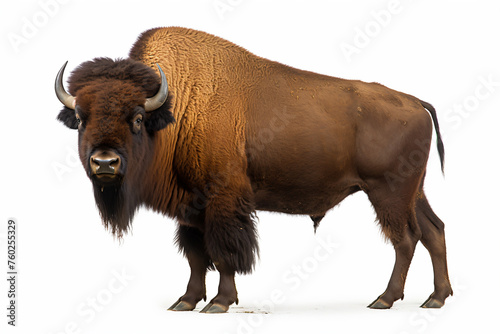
(252, 134)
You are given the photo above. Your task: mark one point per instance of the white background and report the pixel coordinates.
(439, 51)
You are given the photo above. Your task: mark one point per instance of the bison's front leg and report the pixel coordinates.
(227, 293)
(190, 241)
(231, 242)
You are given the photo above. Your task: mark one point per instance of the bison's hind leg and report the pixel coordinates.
(395, 209)
(433, 239)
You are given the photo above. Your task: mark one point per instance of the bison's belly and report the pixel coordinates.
(301, 198)
(304, 177)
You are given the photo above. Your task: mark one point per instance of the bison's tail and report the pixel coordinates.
(440, 145)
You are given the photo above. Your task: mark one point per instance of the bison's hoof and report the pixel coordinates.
(214, 308)
(181, 306)
(380, 304)
(432, 303)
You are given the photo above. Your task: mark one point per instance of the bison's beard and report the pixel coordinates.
(116, 206)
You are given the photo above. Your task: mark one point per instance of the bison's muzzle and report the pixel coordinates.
(105, 166)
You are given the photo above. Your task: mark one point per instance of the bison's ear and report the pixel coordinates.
(67, 117)
(159, 119)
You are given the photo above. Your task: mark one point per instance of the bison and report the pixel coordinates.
(201, 130)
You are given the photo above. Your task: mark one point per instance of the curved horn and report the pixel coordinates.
(65, 98)
(157, 101)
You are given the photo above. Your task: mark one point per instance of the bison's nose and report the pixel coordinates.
(105, 163)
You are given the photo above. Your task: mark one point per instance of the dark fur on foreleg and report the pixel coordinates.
(190, 241)
(230, 234)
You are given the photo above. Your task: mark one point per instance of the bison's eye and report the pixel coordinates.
(137, 122)
(78, 121)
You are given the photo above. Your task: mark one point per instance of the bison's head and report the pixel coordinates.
(117, 107)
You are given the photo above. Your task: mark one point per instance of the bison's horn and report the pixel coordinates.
(157, 101)
(66, 99)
